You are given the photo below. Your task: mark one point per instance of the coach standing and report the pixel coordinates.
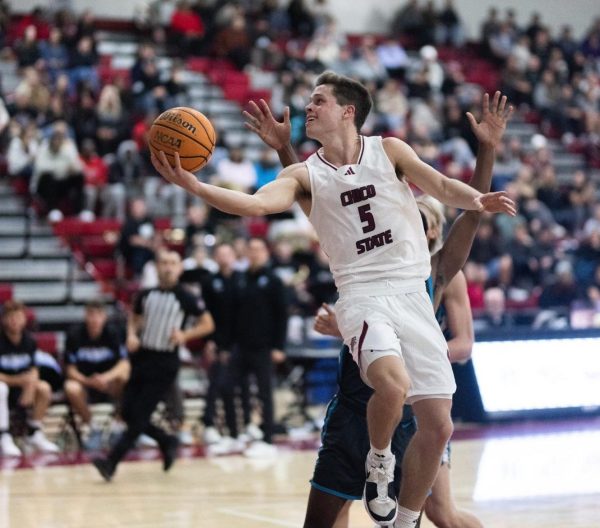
(155, 330)
(260, 333)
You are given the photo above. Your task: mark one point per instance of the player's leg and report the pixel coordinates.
(7, 444)
(323, 509)
(390, 380)
(424, 350)
(388, 377)
(424, 453)
(441, 509)
(77, 396)
(41, 402)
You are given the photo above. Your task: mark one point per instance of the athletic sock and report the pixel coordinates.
(33, 426)
(382, 453)
(406, 518)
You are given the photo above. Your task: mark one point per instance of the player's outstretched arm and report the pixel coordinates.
(448, 191)
(276, 134)
(489, 131)
(275, 197)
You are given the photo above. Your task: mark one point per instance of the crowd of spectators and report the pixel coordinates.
(76, 138)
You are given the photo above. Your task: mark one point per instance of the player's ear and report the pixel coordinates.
(349, 111)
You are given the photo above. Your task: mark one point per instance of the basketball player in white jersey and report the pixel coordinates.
(355, 191)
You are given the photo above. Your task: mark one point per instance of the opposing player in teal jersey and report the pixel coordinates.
(338, 477)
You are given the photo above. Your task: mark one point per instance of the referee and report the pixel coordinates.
(154, 333)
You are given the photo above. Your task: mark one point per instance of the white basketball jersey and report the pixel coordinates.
(367, 219)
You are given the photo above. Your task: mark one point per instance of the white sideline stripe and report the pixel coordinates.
(256, 517)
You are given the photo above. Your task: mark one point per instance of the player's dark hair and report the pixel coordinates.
(349, 92)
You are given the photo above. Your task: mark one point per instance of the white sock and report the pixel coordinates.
(34, 425)
(406, 518)
(385, 453)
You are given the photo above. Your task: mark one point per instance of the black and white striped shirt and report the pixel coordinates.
(164, 311)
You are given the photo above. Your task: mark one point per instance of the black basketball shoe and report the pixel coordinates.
(104, 467)
(379, 496)
(169, 452)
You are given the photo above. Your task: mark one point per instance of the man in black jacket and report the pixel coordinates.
(260, 330)
(219, 292)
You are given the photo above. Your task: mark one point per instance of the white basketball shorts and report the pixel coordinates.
(396, 318)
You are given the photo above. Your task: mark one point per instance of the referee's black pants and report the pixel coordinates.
(258, 362)
(152, 374)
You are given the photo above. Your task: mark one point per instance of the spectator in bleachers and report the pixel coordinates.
(197, 227)
(31, 96)
(20, 385)
(587, 256)
(449, 28)
(198, 266)
(593, 290)
(54, 54)
(495, 314)
(28, 50)
(408, 21)
(486, 248)
(136, 243)
(233, 42)
(82, 64)
(22, 150)
(236, 172)
(85, 110)
(392, 106)
(125, 175)
(366, 64)
(186, 29)
(562, 290)
(95, 174)
(97, 367)
(301, 19)
(57, 174)
(324, 48)
(266, 167)
(111, 120)
(393, 57)
(156, 329)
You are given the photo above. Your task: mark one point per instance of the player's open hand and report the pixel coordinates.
(260, 120)
(177, 174)
(494, 116)
(326, 322)
(496, 202)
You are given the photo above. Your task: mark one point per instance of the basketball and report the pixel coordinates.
(186, 131)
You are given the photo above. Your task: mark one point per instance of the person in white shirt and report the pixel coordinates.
(58, 172)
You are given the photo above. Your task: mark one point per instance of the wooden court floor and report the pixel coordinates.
(527, 481)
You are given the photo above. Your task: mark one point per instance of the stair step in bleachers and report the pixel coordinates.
(58, 317)
(17, 226)
(28, 269)
(10, 206)
(37, 247)
(55, 292)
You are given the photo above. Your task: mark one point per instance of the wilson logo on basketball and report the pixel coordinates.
(176, 119)
(166, 139)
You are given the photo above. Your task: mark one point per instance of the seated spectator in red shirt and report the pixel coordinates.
(187, 29)
(95, 174)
